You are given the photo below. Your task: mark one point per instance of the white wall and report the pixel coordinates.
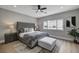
(65, 16)
(7, 16)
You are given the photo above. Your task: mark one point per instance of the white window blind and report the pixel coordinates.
(60, 24)
(53, 24)
(45, 25)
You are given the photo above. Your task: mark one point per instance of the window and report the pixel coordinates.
(45, 25)
(53, 24)
(60, 24)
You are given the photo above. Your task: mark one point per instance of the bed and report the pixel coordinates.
(27, 35)
(31, 38)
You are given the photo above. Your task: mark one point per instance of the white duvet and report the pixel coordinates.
(22, 34)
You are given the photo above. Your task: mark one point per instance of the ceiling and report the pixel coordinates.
(29, 9)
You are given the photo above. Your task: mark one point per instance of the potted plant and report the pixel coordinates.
(73, 32)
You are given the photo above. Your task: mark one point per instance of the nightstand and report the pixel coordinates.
(10, 37)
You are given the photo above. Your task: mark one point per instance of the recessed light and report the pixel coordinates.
(14, 6)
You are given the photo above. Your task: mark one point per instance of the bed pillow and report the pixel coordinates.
(25, 29)
(21, 30)
(30, 29)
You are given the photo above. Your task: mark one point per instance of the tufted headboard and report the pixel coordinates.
(21, 25)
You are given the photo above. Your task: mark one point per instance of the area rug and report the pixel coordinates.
(19, 47)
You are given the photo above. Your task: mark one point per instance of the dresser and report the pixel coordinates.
(10, 37)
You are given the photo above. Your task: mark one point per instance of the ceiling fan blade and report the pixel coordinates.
(43, 8)
(43, 11)
(39, 6)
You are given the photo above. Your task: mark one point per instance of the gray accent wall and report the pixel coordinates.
(65, 16)
(7, 16)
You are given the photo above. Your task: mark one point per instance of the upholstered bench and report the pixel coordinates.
(47, 43)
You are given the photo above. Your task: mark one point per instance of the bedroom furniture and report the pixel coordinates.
(47, 43)
(20, 26)
(10, 37)
(29, 38)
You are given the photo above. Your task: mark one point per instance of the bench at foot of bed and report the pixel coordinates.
(47, 43)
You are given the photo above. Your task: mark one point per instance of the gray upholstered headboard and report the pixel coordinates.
(22, 25)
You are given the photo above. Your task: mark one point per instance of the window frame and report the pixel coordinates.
(56, 24)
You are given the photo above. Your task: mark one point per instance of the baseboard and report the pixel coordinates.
(64, 38)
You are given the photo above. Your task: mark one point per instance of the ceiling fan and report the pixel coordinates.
(39, 8)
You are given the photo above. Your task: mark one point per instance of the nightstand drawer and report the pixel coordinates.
(10, 37)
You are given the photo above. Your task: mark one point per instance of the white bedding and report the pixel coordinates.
(22, 34)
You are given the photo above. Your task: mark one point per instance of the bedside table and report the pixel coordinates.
(10, 37)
